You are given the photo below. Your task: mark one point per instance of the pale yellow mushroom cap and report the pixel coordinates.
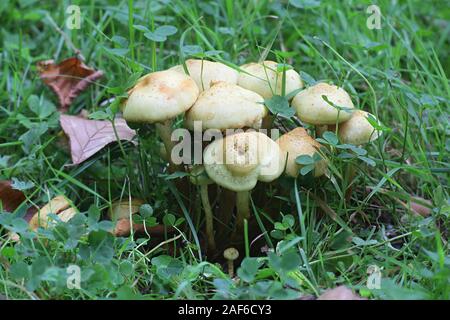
(296, 143)
(263, 78)
(227, 106)
(238, 161)
(205, 72)
(58, 205)
(231, 254)
(160, 96)
(357, 130)
(121, 209)
(313, 109)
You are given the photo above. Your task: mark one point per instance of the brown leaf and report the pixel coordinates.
(421, 206)
(89, 136)
(10, 198)
(339, 293)
(67, 78)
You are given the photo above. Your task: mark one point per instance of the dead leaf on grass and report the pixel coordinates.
(339, 293)
(87, 137)
(10, 198)
(67, 79)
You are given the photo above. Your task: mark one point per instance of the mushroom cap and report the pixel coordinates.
(238, 161)
(312, 108)
(358, 130)
(121, 209)
(231, 253)
(227, 106)
(55, 205)
(263, 78)
(160, 96)
(205, 72)
(296, 143)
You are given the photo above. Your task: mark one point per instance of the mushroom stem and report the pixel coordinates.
(165, 132)
(243, 209)
(208, 217)
(320, 130)
(230, 268)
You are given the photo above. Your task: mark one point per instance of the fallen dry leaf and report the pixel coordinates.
(89, 136)
(67, 78)
(10, 198)
(421, 206)
(339, 293)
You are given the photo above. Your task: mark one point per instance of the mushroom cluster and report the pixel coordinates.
(219, 97)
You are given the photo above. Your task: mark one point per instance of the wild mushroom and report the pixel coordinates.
(358, 130)
(226, 106)
(58, 205)
(266, 79)
(237, 162)
(158, 98)
(201, 179)
(205, 72)
(296, 143)
(323, 104)
(230, 255)
(120, 212)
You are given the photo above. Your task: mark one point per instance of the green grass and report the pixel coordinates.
(399, 73)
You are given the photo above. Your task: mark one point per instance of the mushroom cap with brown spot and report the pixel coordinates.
(263, 78)
(238, 161)
(313, 109)
(296, 143)
(227, 106)
(160, 96)
(358, 130)
(205, 72)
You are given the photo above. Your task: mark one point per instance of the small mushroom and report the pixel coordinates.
(296, 143)
(205, 72)
(201, 179)
(158, 98)
(237, 162)
(231, 254)
(120, 212)
(58, 205)
(266, 79)
(358, 130)
(122, 209)
(312, 108)
(227, 106)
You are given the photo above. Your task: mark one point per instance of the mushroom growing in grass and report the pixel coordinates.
(58, 205)
(358, 130)
(227, 106)
(237, 162)
(323, 104)
(201, 179)
(266, 78)
(296, 143)
(205, 72)
(230, 255)
(120, 213)
(159, 97)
